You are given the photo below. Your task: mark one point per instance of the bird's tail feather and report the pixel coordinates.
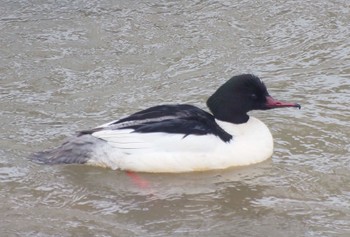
(76, 150)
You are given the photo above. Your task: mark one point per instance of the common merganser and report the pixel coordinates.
(181, 137)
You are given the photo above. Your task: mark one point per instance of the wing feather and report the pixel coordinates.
(174, 119)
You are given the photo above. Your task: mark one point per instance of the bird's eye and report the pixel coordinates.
(254, 96)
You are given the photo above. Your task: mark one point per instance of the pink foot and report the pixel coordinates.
(136, 179)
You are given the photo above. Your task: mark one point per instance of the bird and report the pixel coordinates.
(177, 138)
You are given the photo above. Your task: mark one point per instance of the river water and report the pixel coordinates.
(73, 65)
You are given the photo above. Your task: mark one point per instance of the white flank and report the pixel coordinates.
(162, 152)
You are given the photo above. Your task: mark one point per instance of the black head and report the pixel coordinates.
(239, 95)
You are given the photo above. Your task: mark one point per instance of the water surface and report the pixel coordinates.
(68, 66)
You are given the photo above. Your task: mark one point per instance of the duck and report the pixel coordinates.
(176, 138)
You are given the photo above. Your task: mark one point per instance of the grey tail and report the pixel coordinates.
(76, 150)
(55, 156)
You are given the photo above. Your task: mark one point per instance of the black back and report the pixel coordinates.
(180, 119)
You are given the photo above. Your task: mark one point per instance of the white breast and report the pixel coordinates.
(162, 152)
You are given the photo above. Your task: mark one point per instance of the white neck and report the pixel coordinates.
(252, 140)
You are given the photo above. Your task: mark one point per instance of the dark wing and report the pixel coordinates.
(181, 119)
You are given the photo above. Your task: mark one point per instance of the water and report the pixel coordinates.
(68, 66)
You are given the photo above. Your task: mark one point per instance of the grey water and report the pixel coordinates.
(72, 65)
